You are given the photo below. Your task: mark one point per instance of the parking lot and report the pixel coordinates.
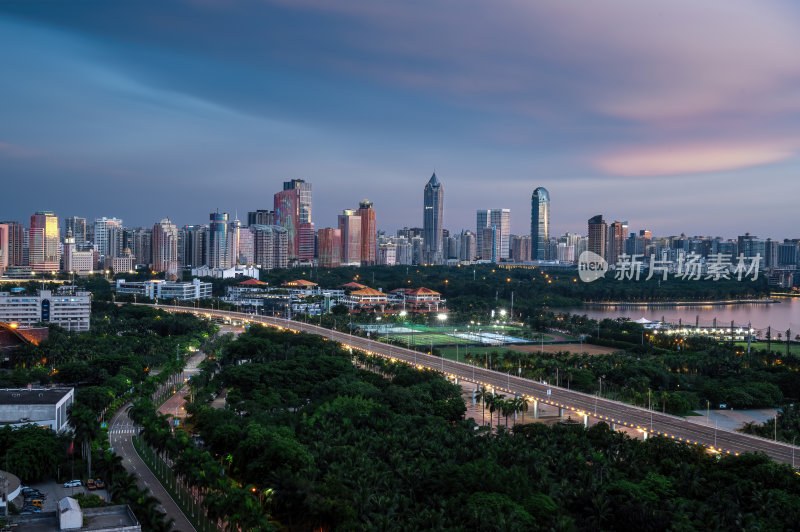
(55, 491)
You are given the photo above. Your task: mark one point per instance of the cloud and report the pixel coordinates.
(676, 159)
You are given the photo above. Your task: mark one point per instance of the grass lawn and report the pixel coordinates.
(777, 347)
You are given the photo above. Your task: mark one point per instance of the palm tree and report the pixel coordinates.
(85, 428)
(522, 406)
(482, 395)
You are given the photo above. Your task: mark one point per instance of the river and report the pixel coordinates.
(782, 315)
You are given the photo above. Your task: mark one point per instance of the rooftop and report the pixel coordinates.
(32, 396)
(108, 518)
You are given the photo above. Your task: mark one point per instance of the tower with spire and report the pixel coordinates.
(433, 206)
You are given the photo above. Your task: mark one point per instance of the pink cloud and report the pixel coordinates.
(679, 159)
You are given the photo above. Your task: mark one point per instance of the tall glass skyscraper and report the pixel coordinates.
(218, 246)
(433, 203)
(540, 224)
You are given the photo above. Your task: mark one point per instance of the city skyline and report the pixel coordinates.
(147, 102)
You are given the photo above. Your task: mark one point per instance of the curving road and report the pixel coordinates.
(648, 422)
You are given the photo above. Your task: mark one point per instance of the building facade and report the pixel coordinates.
(158, 289)
(43, 247)
(540, 224)
(165, 248)
(45, 407)
(350, 227)
(72, 311)
(432, 222)
(597, 235)
(330, 247)
(218, 245)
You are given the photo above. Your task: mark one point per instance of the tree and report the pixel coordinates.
(483, 395)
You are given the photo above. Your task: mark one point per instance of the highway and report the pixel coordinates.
(647, 422)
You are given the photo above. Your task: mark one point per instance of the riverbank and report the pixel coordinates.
(659, 304)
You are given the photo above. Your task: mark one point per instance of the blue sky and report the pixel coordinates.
(673, 115)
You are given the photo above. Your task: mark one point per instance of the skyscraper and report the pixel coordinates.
(292, 208)
(165, 248)
(597, 235)
(44, 253)
(500, 221)
(15, 243)
(468, 250)
(4, 248)
(104, 238)
(617, 232)
(540, 224)
(433, 203)
(350, 226)
(78, 228)
(270, 246)
(217, 244)
(330, 247)
(368, 230)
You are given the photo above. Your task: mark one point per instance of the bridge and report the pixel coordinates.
(617, 414)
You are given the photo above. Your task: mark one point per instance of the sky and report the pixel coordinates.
(675, 115)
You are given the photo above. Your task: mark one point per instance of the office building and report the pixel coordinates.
(522, 248)
(159, 289)
(68, 310)
(43, 248)
(617, 232)
(350, 226)
(107, 239)
(15, 243)
(270, 246)
(246, 247)
(4, 248)
(139, 242)
(433, 210)
(597, 235)
(126, 262)
(261, 217)
(165, 248)
(292, 208)
(368, 231)
(218, 245)
(540, 224)
(192, 246)
(76, 226)
(468, 249)
(500, 221)
(330, 247)
(74, 260)
(387, 254)
(489, 245)
(44, 407)
(308, 242)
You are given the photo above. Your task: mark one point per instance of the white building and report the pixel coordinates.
(226, 273)
(71, 311)
(158, 289)
(46, 407)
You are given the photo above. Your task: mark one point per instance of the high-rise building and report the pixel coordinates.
(540, 224)
(522, 248)
(105, 238)
(74, 260)
(261, 217)
(489, 244)
(4, 248)
(433, 205)
(246, 247)
(15, 243)
(44, 253)
(139, 242)
(270, 246)
(192, 246)
(368, 231)
(330, 247)
(468, 250)
(292, 208)
(217, 244)
(76, 226)
(234, 229)
(165, 248)
(350, 226)
(597, 235)
(615, 241)
(500, 220)
(307, 242)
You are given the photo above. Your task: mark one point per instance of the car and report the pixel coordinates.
(31, 492)
(73, 484)
(99, 484)
(30, 510)
(90, 484)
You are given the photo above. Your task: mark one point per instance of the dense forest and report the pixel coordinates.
(308, 439)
